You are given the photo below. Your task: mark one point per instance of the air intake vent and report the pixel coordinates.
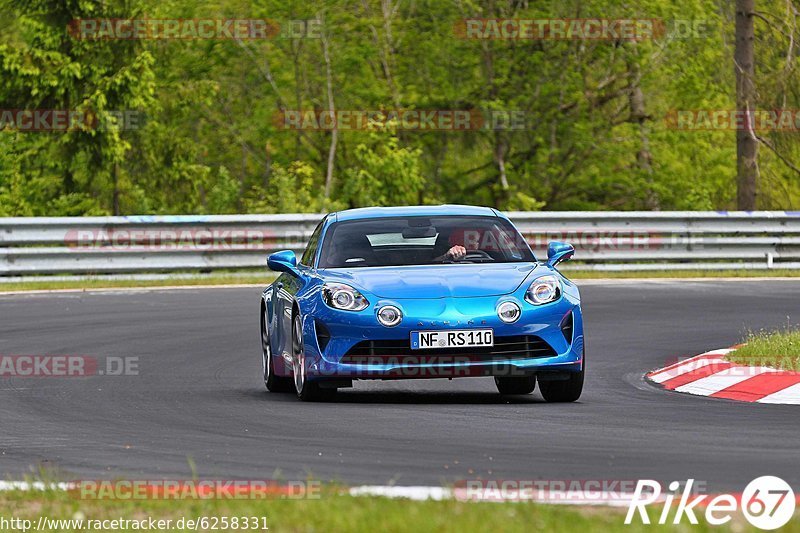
(566, 327)
(323, 335)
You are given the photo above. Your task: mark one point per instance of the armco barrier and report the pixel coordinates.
(603, 241)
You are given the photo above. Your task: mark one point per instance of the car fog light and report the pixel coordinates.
(508, 312)
(389, 316)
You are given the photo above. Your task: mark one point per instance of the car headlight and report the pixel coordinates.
(344, 297)
(543, 290)
(389, 316)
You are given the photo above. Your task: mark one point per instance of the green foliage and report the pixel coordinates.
(209, 141)
(43, 67)
(293, 189)
(385, 173)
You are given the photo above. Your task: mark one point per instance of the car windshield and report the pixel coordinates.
(417, 240)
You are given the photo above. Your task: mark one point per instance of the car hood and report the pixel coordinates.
(434, 281)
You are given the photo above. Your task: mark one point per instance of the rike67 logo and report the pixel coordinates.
(767, 502)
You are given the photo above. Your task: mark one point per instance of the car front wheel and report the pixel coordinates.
(307, 390)
(568, 390)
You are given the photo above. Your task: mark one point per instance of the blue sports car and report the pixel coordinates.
(421, 292)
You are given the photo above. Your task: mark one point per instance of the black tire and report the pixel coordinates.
(273, 382)
(307, 390)
(568, 390)
(516, 385)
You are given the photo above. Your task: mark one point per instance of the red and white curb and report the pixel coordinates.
(710, 374)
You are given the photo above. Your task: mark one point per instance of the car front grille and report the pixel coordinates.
(400, 352)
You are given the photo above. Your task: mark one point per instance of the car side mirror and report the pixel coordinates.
(558, 252)
(283, 261)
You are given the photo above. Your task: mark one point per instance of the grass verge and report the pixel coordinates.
(338, 512)
(115, 283)
(778, 349)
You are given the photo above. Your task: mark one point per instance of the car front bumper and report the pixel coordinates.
(331, 334)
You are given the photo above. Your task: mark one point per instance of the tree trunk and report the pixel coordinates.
(500, 150)
(332, 111)
(115, 198)
(746, 142)
(639, 116)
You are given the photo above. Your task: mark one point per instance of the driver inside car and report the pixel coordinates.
(455, 253)
(459, 245)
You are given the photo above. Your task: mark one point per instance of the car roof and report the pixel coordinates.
(414, 210)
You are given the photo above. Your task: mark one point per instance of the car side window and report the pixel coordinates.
(311, 250)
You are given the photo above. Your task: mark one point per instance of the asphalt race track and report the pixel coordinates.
(198, 404)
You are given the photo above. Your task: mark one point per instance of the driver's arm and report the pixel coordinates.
(453, 254)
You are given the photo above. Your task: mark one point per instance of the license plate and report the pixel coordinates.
(456, 338)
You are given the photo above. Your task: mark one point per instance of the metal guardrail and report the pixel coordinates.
(603, 241)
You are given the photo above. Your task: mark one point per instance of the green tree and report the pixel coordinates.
(42, 66)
